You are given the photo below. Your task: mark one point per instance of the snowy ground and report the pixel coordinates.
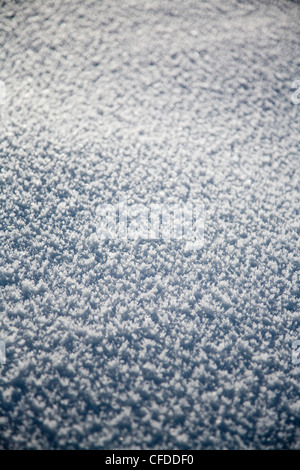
(144, 344)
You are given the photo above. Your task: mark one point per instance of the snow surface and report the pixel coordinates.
(144, 345)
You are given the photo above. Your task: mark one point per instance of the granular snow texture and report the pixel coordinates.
(145, 345)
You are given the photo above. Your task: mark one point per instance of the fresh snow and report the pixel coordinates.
(142, 344)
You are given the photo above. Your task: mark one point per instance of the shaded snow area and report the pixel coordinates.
(142, 344)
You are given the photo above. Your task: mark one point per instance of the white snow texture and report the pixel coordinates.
(143, 344)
